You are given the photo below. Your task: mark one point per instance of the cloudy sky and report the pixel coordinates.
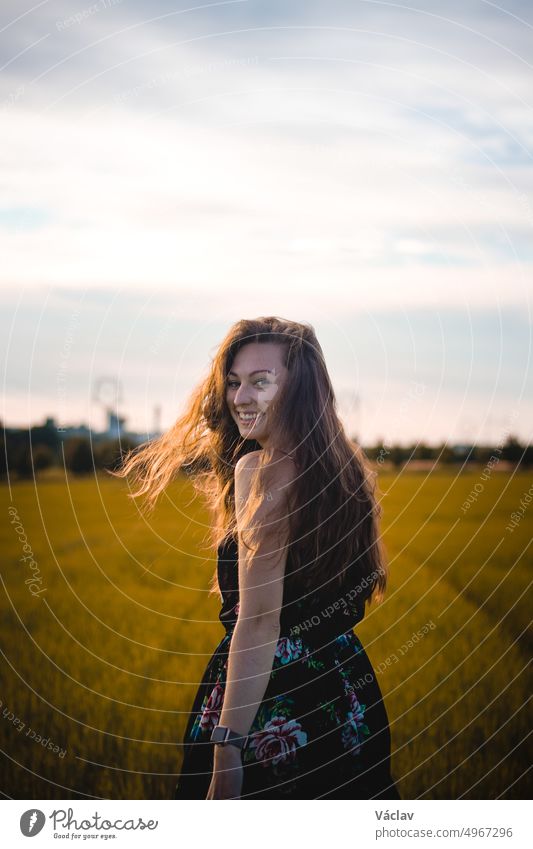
(366, 166)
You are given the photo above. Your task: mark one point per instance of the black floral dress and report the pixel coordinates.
(321, 730)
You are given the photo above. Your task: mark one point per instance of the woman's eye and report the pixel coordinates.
(234, 383)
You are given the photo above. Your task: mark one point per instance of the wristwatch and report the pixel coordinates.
(226, 737)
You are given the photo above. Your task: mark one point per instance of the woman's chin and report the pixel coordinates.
(251, 432)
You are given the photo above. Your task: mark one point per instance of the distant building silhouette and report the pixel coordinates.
(115, 430)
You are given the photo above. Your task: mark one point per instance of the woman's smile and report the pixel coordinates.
(248, 418)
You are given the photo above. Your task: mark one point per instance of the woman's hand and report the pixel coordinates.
(226, 782)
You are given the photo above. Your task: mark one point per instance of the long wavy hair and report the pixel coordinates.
(334, 509)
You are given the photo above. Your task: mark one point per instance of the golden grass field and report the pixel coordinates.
(103, 662)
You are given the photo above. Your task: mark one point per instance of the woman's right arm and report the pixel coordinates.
(256, 632)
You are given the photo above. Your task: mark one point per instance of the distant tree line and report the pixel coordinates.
(512, 451)
(28, 451)
(25, 452)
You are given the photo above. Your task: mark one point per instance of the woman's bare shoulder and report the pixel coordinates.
(282, 467)
(247, 462)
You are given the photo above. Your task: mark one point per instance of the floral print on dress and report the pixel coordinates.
(211, 711)
(287, 649)
(279, 735)
(277, 742)
(354, 728)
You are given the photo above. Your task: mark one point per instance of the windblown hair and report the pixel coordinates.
(334, 515)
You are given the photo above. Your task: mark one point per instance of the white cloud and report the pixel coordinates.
(173, 203)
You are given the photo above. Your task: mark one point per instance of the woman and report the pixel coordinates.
(288, 706)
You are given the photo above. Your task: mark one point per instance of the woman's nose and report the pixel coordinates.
(243, 395)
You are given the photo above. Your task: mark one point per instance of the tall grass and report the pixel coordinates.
(104, 662)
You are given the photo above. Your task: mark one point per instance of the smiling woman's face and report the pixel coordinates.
(255, 378)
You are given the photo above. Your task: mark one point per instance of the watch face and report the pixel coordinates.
(218, 735)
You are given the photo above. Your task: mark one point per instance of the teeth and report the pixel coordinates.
(247, 417)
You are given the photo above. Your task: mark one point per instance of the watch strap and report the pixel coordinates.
(224, 736)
